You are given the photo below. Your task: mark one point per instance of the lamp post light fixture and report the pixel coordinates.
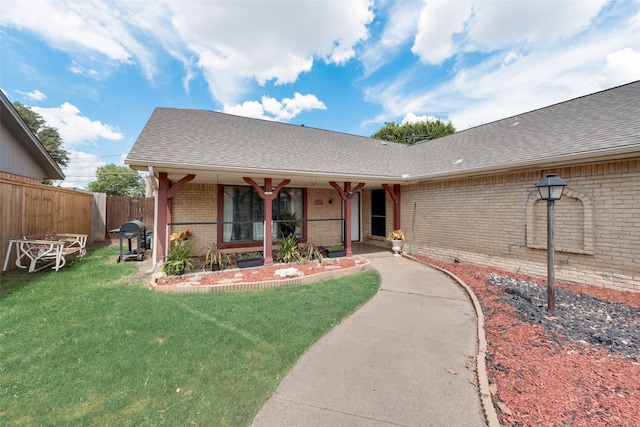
(551, 187)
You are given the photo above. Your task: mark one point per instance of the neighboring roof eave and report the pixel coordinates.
(14, 123)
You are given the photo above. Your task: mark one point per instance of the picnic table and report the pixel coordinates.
(40, 251)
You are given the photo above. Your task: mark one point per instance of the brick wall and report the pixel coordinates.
(196, 203)
(324, 233)
(495, 221)
(500, 221)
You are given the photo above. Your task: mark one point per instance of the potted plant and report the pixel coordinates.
(251, 259)
(180, 236)
(214, 258)
(179, 258)
(335, 251)
(397, 238)
(288, 249)
(289, 224)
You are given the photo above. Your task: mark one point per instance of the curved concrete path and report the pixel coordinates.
(405, 358)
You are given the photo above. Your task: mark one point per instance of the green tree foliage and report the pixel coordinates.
(116, 180)
(48, 136)
(410, 133)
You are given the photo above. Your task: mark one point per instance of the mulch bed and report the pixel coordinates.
(540, 376)
(259, 274)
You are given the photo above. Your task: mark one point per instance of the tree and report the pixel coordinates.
(410, 133)
(48, 136)
(117, 181)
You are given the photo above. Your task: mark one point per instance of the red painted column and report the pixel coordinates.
(267, 194)
(163, 211)
(395, 195)
(397, 223)
(165, 192)
(347, 223)
(346, 195)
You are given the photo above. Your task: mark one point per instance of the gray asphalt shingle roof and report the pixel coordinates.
(585, 127)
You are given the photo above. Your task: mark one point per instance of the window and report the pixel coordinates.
(378, 213)
(243, 212)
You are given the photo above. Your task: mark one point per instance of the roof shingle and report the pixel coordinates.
(587, 127)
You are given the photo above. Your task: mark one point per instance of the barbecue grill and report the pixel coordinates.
(133, 231)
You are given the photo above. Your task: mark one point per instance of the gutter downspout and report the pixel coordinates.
(154, 184)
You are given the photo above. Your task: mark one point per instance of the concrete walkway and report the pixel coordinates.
(406, 358)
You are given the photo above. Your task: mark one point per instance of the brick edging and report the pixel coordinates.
(244, 286)
(490, 414)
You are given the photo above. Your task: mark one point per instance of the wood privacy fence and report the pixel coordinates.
(125, 209)
(28, 208)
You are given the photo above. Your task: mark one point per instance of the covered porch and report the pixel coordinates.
(325, 210)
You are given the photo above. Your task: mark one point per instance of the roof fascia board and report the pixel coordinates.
(174, 168)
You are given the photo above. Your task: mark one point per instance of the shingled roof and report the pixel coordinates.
(595, 127)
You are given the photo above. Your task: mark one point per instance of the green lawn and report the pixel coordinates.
(79, 347)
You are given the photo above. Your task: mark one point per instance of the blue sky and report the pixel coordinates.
(96, 69)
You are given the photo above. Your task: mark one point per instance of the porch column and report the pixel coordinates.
(395, 195)
(165, 192)
(267, 194)
(346, 195)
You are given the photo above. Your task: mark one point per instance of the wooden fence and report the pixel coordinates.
(125, 209)
(29, 208)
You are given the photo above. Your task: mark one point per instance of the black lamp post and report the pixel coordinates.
(551, 188)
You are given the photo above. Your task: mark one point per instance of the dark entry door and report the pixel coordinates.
(378, 213)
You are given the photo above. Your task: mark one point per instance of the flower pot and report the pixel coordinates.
(249, 262)
(336, 253)
(396, 245)
(215, 267)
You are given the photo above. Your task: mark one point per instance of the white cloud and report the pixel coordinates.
(412, 118)
(237, 42)
(622, 66)
(233, 43)
(401, 20)
(36, 95)
(446, 29)
(495, 25)
(81, 170)
(591, 54)
(74, 128)
(271, 109)
(438, 25)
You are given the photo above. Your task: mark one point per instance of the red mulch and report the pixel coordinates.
(544, 380)
(260, 274)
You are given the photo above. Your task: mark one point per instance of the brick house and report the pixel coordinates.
(470, 195)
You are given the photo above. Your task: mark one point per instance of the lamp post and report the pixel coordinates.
(551, 188)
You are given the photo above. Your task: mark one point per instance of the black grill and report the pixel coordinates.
(133, 231)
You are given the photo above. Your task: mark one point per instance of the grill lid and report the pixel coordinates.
(134, 226)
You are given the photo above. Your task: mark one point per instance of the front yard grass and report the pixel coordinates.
(80, 347)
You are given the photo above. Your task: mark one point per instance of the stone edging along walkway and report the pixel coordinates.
(187, 287)
(481, 362)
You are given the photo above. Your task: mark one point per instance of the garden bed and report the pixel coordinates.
(579, 366)
(261, 277)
